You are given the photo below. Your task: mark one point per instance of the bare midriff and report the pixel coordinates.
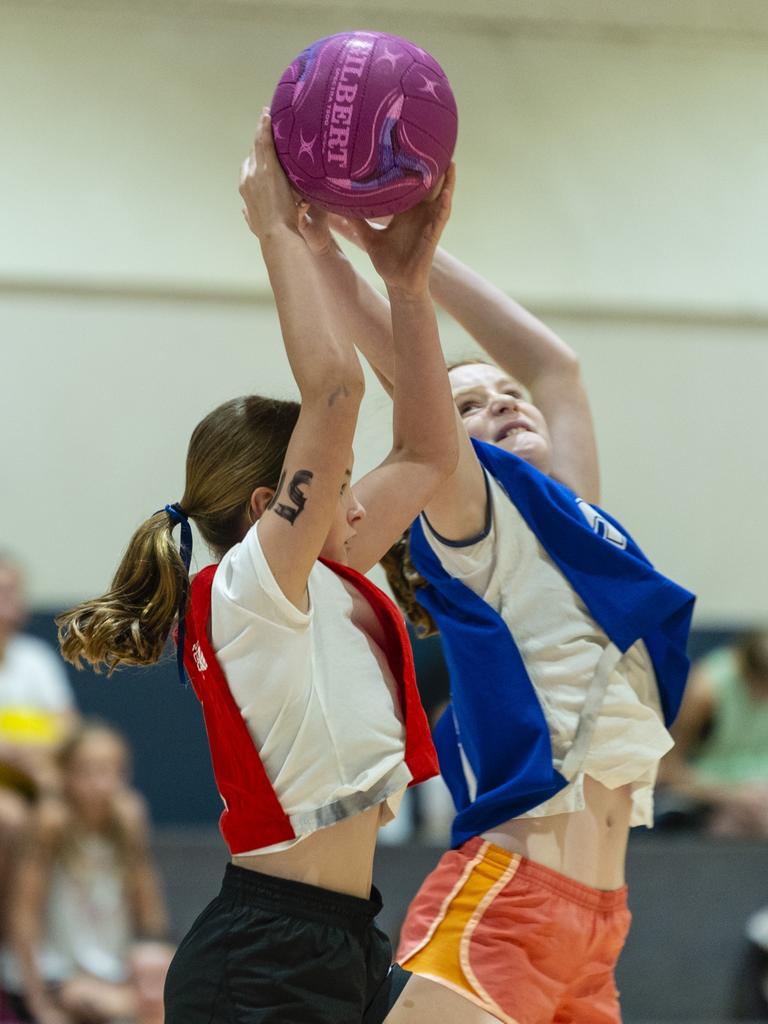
(588, 846)
(339, 858)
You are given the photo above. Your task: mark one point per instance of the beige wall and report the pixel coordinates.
(612, 173)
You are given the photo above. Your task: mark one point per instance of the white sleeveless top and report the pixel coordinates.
(561, 644)
(315, 690)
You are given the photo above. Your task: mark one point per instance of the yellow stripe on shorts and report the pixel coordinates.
(440, 958)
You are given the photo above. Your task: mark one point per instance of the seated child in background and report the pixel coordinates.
(86, 893)
(717, 771)
(37, 713)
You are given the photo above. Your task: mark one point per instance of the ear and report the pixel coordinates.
(260, 498)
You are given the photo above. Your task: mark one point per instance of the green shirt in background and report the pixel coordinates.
(736, 750)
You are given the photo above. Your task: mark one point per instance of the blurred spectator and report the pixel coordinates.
(717, 773)
(36, 715)
(87, 919)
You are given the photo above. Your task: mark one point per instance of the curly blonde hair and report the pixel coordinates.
(405, 581)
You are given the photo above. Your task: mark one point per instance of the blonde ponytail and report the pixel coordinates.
(236, 448)
(131, 622)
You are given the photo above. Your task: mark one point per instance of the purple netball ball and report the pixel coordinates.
(364, 123)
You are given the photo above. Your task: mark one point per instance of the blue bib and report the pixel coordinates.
(495, 725)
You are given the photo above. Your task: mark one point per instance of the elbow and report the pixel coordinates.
(442, 454)
(568, 364)
(436, 464)
(338, 380)
(561, 363)
(433, 476)
(435, 450)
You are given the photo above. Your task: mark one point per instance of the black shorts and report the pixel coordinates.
(271, 951)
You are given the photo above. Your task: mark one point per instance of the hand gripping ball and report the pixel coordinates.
(364, 123)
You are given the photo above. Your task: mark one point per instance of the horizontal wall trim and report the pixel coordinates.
(746, 24)
(90, 291)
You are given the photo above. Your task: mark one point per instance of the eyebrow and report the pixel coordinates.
(468, 389)
(502, 382)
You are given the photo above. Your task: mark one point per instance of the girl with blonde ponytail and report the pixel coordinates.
(302, 666)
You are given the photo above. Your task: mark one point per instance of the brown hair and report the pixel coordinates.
(405, 581)
(116, 829)
(238, 447)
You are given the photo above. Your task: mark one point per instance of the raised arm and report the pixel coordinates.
(294, 521)
(516, 341)
(424, 447)
(365, 316)
(532, 353)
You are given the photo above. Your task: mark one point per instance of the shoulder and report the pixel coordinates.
(496, 552)
(245, 583)
(203, 579)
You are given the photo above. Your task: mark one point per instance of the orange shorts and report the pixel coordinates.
(524, 942)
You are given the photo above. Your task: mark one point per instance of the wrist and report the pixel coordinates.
(408, 295)
(276, 233)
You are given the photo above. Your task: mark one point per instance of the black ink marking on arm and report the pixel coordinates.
(296, 495)
(340, 390)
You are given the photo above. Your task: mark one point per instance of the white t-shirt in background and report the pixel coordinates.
(33, 676)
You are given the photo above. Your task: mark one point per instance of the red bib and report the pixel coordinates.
(253, 816)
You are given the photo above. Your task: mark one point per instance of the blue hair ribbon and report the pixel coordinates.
(178, 515)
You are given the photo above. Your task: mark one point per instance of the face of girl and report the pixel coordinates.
(96, 774)
(496, 408)
(348, 514)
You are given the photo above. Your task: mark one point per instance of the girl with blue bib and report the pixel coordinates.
(566, 651)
